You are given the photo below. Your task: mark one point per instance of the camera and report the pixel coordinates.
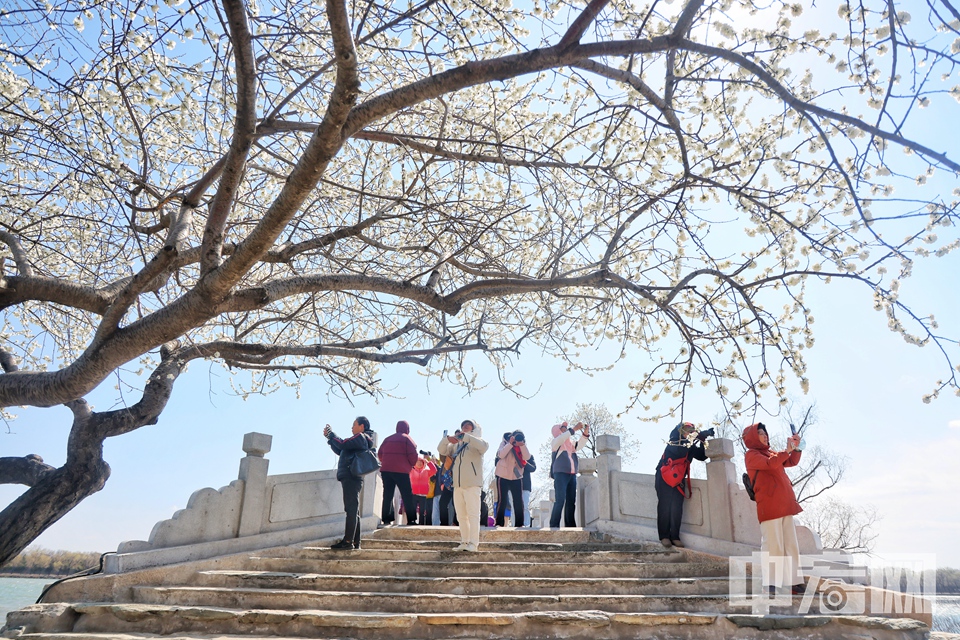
(426, 454)
(706, 433)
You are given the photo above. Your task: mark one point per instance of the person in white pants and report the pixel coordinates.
(468, 449)
(776, 506)
(778, 538)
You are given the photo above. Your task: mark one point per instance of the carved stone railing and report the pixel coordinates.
(718, 517)
(255, 511)
(259, 511)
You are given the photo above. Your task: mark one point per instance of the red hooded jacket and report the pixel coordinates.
(775, 496)
(398, 453)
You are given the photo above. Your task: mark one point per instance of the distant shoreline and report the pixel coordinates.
(52, 576)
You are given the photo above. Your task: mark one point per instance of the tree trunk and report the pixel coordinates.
(47, 501)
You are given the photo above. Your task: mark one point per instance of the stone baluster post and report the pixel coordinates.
(253, 472)
(721, 473)
(586, 512)
(608, 461)
(369, 505)
(546, 507)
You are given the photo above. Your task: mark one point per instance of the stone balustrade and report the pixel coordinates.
(255, 511)
(258, 511)
(718, 517)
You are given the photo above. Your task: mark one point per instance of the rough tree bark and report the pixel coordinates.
(54, 492)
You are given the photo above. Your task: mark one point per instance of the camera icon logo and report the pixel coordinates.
(842, 599)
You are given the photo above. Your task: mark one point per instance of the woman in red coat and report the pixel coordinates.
(776, 505)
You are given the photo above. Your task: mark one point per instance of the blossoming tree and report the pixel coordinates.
(292, 187)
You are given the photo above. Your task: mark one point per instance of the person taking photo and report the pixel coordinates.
(776, 506)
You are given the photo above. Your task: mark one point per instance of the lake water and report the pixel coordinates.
(19, 592)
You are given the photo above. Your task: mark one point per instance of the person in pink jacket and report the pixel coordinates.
(564, 469)
(420, 476)
(511, 459)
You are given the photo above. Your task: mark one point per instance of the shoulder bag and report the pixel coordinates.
(364, 462)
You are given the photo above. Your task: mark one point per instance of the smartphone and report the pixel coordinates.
(444, 433)
(793, 429)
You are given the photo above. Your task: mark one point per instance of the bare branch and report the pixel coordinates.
(805, 107)
(27, 470)
(19, 255)
(581, 24)
(244, 129)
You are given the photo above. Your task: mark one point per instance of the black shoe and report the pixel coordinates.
(342, 545)
(798, 589)
(772, 590)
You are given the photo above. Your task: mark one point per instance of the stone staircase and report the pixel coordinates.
(408, 583)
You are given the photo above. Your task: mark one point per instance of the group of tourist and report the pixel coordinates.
(458, 476)
(771, 487)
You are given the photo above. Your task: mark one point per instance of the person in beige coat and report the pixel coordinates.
(467, 450)
(511, 460)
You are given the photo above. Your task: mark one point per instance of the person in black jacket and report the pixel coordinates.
(684, 444)
(528, 469)
(362, 438)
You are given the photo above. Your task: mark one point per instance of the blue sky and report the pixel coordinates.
(867, 384)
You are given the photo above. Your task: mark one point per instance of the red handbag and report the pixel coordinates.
(673, 472)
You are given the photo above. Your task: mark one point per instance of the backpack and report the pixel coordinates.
(445, 475)
(749, 486)
(673, 473)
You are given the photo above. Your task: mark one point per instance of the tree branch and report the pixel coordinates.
(27, 470)
(323, 146)
(801, 106)
(244, 129)
(20, 258)
(580, 25)
(7, 361)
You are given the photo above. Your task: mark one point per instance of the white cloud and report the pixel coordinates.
(954, 424)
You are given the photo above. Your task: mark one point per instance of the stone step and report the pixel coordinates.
(492, 553)
(101, 621)
(503, 584)
(408, 602)
(490, 534)
(369, 563)
(513, 545)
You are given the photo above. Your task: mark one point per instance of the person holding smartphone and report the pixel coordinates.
(776, 506)
(362, 438)
(467, 450)
(564, 468)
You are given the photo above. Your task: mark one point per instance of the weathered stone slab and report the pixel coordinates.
(768, 622)
(579, 618)
(467, 619)
(873, 622)
(659, 619)
(44, 617)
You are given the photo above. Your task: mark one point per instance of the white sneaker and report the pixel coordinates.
(472, 548)
(463, 546)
